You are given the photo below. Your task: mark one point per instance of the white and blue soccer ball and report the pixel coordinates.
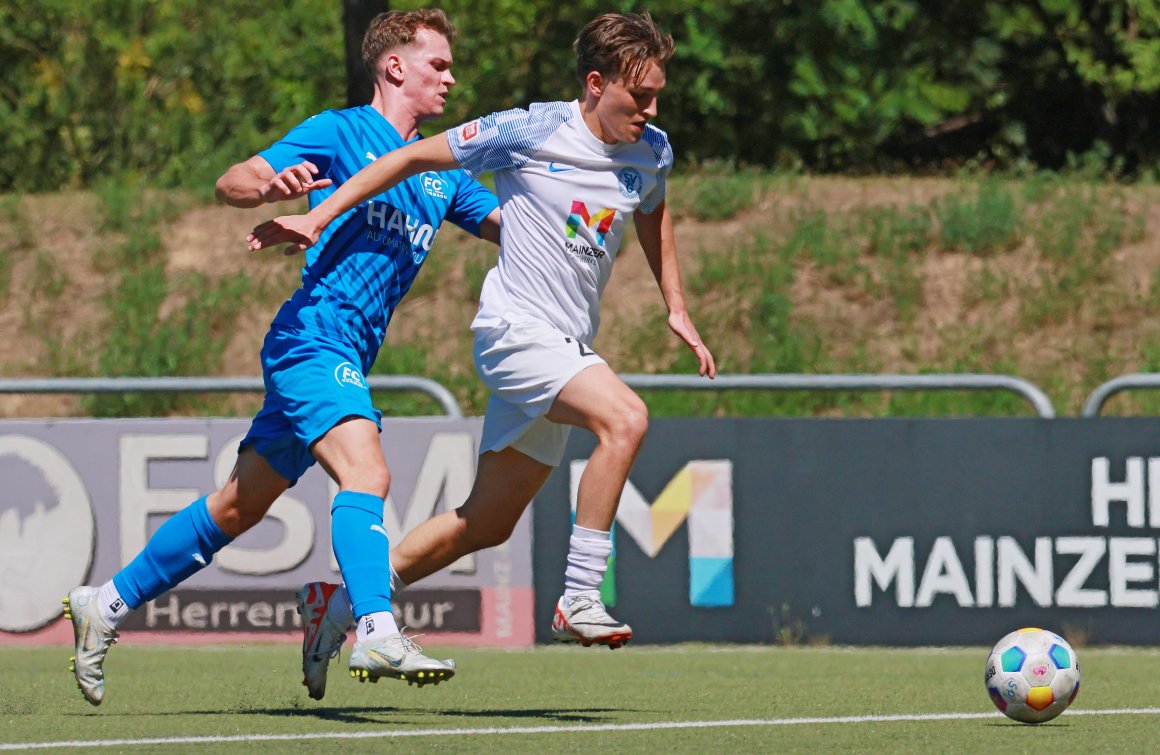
(1032, 675)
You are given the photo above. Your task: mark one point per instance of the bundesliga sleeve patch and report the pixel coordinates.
(469, 131)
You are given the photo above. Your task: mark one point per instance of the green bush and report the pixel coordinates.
(176, 90)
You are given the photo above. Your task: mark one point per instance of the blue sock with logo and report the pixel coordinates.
(362, 549)
(180, 548)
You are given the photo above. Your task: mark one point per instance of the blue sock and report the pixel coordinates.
(362, 549)
(181, 547)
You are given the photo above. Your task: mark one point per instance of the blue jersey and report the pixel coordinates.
(367, 259)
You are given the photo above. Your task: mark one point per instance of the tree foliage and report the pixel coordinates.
(1085, 72)
(177, 90)
(171, 89)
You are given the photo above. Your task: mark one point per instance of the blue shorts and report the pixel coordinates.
(312, 384)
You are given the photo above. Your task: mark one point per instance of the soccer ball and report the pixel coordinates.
(1032, 675)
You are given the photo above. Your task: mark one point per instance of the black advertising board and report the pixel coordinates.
(884, 531)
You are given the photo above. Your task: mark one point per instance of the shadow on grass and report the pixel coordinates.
(377, 714)
(569, 715)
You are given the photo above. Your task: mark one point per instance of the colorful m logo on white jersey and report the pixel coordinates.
(700, 494)
(599, 221)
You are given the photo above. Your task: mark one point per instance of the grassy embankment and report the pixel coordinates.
(1048, 277)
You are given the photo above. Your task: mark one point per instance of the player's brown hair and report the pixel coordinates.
(621, 44)
(393, 29)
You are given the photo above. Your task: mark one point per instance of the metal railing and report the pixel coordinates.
(1036, 397)
(215, 385)
(1098, 397)
(939, 382)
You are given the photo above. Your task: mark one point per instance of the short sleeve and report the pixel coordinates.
(315, 139)
(663, 152)
(506, 139)
(472, 203)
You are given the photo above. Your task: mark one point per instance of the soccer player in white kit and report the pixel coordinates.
(568, 175)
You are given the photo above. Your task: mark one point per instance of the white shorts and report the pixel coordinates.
(525, 366)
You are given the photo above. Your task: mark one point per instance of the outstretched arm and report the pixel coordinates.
(655, 231)
(255, 182)
(302, 231)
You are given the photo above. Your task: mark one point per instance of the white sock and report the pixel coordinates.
(112, 606)
(588, 552)
(339, 609)
(375, 626)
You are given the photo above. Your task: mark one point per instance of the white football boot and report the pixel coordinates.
(322, 638)
(584, 619)
(93, 637)
(397, 657)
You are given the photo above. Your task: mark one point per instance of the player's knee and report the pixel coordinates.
(379, 481)
(638, 420)
(478, 533)
(629, 424)
(372, 480)
(491, 537)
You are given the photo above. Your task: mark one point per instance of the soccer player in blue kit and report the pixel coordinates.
(322, 342)
(570, 175)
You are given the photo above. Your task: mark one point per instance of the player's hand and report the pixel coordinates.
(296, 230)
(294, 182)
(680, 324)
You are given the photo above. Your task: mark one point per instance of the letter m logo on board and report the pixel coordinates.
(701, 495)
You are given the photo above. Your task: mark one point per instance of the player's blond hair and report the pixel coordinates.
(393, 29)
(621, 44)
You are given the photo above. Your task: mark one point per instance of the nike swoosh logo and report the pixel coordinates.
(391, 661)
(554, 168)
(378, 528)
(594, 624)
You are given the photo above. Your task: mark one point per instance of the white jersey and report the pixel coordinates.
(565, 198)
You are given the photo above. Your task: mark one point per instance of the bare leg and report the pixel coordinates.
(507, 480)
(596, 399)
(248, 494)
(505, 483)
(351, 454)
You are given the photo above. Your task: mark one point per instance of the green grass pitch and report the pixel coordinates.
(230, 698)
